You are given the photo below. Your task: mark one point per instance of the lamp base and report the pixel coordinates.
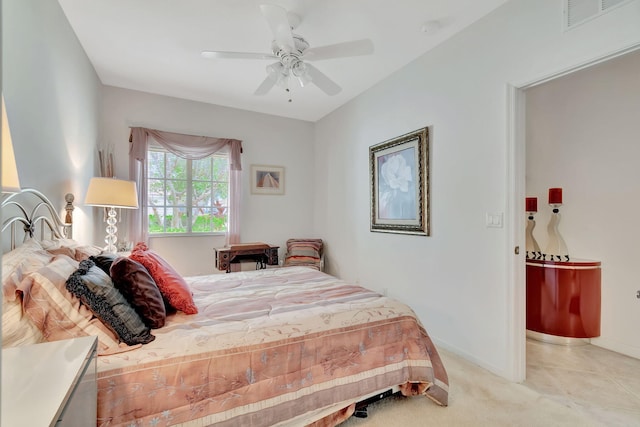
(111, 229)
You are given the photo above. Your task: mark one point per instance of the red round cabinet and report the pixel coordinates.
(563, 298)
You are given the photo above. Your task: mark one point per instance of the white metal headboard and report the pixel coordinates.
(35, 214)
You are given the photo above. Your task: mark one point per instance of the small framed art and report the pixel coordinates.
(267, 179)
(399, 175)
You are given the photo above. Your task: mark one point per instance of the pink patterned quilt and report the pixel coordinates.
(266, 347)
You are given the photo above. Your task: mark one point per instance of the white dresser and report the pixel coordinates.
(50, 384)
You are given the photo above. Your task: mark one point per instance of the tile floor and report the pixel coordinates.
(601, 384)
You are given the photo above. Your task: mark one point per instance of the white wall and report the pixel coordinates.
(457, 279)
(266, 140)
(582, 136)
(53, 97)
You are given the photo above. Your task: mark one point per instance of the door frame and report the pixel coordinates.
(515, 190)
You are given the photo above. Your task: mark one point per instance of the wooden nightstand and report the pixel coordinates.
(50, 384)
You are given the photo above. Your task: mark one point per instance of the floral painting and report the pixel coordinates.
(399, 184)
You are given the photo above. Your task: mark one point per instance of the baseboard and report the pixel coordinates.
(618, 347)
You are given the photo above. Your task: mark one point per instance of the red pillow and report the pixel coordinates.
(172, 286)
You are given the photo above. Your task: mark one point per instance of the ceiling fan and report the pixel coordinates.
(293, 53)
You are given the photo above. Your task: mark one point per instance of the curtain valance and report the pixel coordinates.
(186, 146)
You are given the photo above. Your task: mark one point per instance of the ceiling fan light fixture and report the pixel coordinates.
(278, 74)
(304, 80)
(274, 70)
(294, 55)
(299, 71)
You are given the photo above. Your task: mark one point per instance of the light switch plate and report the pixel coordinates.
(494, 219)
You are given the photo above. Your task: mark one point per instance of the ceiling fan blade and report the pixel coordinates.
(323, 82)
(339, 50)
(266, 85)
(277, 19)
(213, 54)
(274, 74)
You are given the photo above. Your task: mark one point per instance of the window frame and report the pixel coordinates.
(189, 192)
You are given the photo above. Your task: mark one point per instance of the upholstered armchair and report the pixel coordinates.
(305, 252)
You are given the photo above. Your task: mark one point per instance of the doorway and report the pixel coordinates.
(517, 183)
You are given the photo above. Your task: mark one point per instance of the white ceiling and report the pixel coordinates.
(154, 45)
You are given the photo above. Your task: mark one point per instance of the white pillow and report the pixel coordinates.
(18, 329)
(71, 248)
(47, 244)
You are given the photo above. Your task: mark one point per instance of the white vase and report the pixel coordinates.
(556, 247)
(533, 250)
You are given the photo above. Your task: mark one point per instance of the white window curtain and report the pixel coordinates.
(189, 147)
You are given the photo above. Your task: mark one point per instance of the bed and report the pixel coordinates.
(281, 346)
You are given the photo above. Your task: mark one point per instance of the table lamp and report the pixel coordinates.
(112, 193)
(533, 249)
(10, 181)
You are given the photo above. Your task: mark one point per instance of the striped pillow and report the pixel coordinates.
(304, 252)
(16, 264)
(17, 329)
(70, 248)
(55, 311)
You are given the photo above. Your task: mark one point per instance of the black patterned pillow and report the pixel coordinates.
(95, 289)
(104, 261)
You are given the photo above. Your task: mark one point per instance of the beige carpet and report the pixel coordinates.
(476, 398)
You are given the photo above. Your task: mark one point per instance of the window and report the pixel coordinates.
(187, 196)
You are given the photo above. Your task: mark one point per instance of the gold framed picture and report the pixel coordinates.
(399, 176)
